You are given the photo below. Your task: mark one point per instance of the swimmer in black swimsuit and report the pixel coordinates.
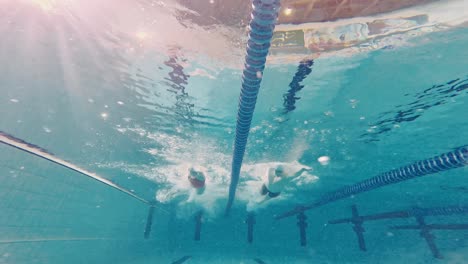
(265, 191)
(277, 179)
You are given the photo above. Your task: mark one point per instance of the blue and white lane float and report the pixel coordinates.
(454, 159)
(262, 25)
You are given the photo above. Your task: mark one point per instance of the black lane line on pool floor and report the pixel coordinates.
(182, 260)
(417, 212)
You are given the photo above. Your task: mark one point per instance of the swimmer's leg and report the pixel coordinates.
(264, 190)
(201, 190)
(273, 195)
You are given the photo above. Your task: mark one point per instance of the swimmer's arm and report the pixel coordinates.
(297, 174)
(271, 176)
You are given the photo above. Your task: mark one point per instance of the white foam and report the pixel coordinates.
(182, 153)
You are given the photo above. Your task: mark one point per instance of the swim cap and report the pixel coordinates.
(196, 178)
(280, 169)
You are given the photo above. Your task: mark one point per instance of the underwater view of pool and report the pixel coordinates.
(233, 131)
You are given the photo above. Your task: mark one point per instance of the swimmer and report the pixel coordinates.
(197, 180)
(277, 179)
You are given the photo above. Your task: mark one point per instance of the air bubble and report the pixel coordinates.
(324, 160)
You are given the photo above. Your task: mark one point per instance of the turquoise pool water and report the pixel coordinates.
(97, 88)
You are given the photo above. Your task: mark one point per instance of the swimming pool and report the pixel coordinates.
(106, 105)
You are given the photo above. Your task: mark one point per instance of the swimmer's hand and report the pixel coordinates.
(299, 173)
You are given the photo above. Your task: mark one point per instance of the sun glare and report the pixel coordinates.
(141, 35)
(288, 11)
(46, 5)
